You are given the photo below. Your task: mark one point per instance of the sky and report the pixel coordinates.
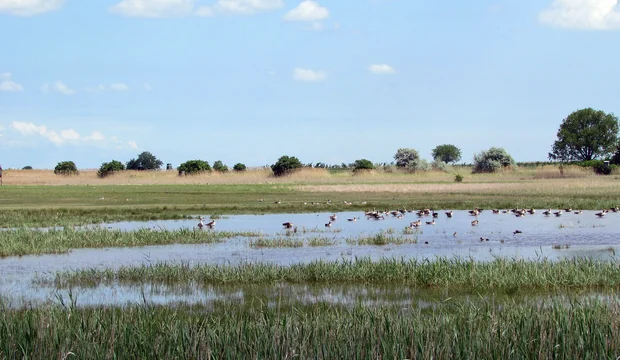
(326, 81)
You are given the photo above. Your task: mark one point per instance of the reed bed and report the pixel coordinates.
(573, 330)
(507, 275)
(382, 238)
(277, 242)
(24, 241)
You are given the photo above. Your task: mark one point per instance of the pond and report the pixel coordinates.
(567, 236)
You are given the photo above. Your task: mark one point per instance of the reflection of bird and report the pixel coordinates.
(288, 225)
(517, 232)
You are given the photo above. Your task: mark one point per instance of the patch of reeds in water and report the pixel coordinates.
(577, 330)
(277, 242)
(382, 238)
(24, 241)
(506, 275)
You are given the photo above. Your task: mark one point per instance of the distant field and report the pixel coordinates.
(27, 199)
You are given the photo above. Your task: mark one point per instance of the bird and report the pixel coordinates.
(430, 222)
(578, 212)
(449, 213)
(200, 224)
(517, 232)
(352, 219)
(211, 224)
(288, 225)
(277, 202)
(332, 217)
(329, 224)
(600, 214)
(474, 223)
(484, 239)
(455, 233)
(558, 213)
(547, 212)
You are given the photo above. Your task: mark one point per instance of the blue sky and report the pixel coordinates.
(327, 80)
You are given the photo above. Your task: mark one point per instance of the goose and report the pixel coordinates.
(211, 224)
(288, 225)
(483, 239)
(578, 212)
(547, 212)
(558, 213)
(332, 217)
(474, 223)
(517, 232)
(277, 202)
(200, 224)
(352, 219)
(495, 211)
(568, 209)
(449, 213)
(532, 211)
(329, 224)
(430, 222)
(600, 214)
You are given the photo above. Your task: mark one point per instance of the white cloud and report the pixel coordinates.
(132, 144)
(29, 7)
(204, 11)
(5, 75)
(58, 86)
(119, 87)
(154, 8)
(248, 6)
(309, 75)
(381, 69)
(7, 85)
(148, 87)
(65, 136)
(307, 10)
(582, 14)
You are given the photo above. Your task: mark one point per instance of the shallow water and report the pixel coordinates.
(585, 235)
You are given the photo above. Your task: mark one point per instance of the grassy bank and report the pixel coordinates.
(27, 242)
(505, 275)
(578, 330)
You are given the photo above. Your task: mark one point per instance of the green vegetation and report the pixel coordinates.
(492, 160)
(239, 167)
(586, 134)
(108, 168)
(66, 168)
(499, 275)
(580, 329)
(279, 242)
(410, 159)
(219, 166)
(286, 165)
(363, 164)
(27, 241)
(145, 161)
(27, 167)
(446, 153)
(194, 167)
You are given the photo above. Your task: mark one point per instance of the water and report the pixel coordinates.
(553, 237)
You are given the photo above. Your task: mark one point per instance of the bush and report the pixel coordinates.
(410, 159)
(440, 165)
(193, 167)
(28, 167)
(219, 166)
(492, 160)
(66, 168)
(109, 167)
(145, 161)
(239, 167)
(363, 164)
(286, 165)
(458, 178)
(597, 165)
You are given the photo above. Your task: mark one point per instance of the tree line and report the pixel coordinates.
(586, 137)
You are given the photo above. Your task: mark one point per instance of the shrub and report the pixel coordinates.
(492, 160)
(109, 167)
(219, 166)
(66, 168)
(193, 167)
(239, 167)
(458, 178)
(597, 165)
(410, 159)
(286, 165)
(28, 167)
(363, 164)
(145, 161)
(440, 165)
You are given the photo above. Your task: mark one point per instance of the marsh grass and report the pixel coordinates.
(497, 275)
(321, 241)
(382, 238)
(277, 242)
(24, 241)
(552, 329)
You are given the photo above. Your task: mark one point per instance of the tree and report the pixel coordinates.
(193, 167)
(363, 164)
(586, 134)
(492, 160)
(27, 167)
(447, 153)
(145, 161)
(239, 167)
(219, 166)
(616, 158)
(410, 159)
(109, 167)
(66, 168)
(286, 165)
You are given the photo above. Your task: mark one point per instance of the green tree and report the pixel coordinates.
(447, 153)
(239, 167)
(109, 167)
(363, 164)
(286, 165)
(145, 161)
(492, 160)
(193, 167)
(219, 166)
(66, 168)
(616, 158)
(586, 134)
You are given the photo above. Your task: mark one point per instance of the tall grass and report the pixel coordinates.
(577, 330)
(507, 275)
(24, 241)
